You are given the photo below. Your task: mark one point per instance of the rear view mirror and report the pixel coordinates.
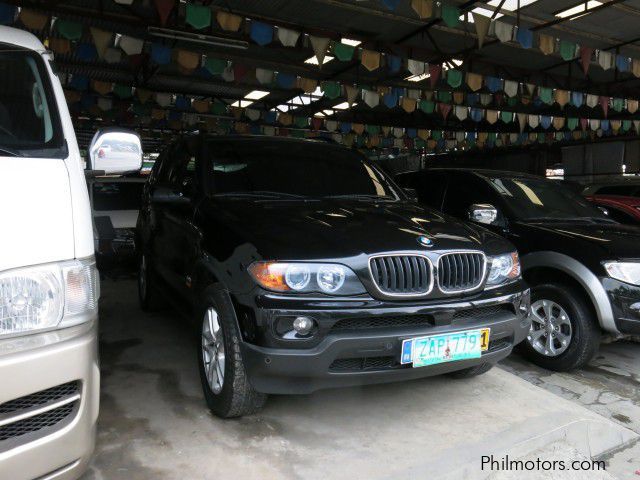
(484, 213)
(115, 151)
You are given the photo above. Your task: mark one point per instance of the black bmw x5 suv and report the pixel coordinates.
(306, 267)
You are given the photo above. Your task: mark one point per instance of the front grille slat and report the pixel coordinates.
(402, 274)
(32, 416)
(460, 271)
(382, 321)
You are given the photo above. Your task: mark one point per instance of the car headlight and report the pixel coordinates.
(47, 296)
(329, 278)
(628, 272)
(503, 269)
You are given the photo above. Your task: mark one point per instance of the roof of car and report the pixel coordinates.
(20, 38)
(263, 138)
(615, 181)
(619, 199)
(485, 172)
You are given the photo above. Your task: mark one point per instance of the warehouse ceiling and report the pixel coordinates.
(384, 32)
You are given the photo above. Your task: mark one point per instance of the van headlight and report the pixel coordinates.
(628, 272)
(48, 296)
(293, 277)
(503, 269)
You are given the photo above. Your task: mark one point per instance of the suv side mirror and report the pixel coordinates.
(115, 151)
(483, 213)
(412, 193)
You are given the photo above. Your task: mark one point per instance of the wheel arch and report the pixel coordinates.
(538, 264)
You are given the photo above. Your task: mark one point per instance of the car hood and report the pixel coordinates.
(617, 241)
(337, 229)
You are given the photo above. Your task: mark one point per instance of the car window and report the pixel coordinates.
(538, 198)
(294, 168)
(429, 186)
(463, 190)
(117, 196)
(621, 216)
(29, 122)
(625, 190)
(181, 173)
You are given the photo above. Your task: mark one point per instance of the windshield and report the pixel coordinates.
(117, 196)
(29, 123)
(294, 169)
(532, 198)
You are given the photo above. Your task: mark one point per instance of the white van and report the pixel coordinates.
(49, 376)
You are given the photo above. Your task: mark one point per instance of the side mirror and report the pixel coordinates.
(115, 151)
(483, 213)
(166, 196)
(412, 193)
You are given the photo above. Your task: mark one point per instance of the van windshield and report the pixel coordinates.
(29, 121)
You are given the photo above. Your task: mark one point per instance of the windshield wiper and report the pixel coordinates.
(362, 196)
(13, 153)
(260, 194)
(569, 219)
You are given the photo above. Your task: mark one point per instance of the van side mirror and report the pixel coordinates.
(412, 193)
(115, 151)
(483, 213)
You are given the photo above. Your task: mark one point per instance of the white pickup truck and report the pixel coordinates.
(49, 287)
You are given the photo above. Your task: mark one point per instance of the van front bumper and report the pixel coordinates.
(368, 351)
(49, 403)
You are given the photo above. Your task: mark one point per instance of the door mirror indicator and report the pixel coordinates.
(166, 196)
(412, 193)
(483, 213)
(115, 151)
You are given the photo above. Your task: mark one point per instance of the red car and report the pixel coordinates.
(621, 209)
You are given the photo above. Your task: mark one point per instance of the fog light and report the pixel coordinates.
(303, 325)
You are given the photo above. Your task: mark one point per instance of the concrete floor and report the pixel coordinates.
(154, 423)
(609, 386)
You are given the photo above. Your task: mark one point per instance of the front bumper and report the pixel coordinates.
(48, 403)
(368, 350)
(625, 304)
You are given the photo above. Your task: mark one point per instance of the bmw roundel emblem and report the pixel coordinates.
(425, 241)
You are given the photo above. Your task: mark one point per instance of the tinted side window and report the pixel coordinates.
(463, 191)
(626, 190)
(620, 216)
(429, 186)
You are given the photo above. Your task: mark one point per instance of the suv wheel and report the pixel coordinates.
(226, 387)
(147, 290)
(563, 334)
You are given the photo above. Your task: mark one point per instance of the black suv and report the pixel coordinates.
(583, 267)
(306, 267)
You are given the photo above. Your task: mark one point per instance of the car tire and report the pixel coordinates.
(585, 331)
(148, 295)
(233, 396)
(472, 371)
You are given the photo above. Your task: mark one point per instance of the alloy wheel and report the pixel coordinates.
(213, 355)
(551, 332)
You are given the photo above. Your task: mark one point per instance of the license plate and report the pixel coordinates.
(448, 347)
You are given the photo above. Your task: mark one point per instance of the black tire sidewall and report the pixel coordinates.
(220, 403)
(585, 333)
